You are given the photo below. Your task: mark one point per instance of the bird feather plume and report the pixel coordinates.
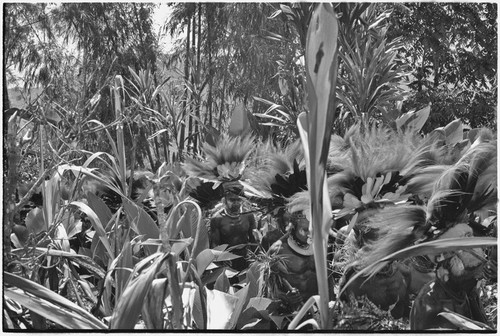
(397, 227)
(224, 161)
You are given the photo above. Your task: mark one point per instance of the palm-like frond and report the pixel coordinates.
(467, 186)
(280, 175)
(223, 162)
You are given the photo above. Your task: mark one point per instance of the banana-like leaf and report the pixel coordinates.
(413, 120)
(220, 308)
(222, 283)
(454, 131)
(242, 296)
(48, 304)
(428, 248)
(79, 259)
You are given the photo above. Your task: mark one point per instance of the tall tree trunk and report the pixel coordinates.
(193, 83)
(209, 15)
(182, 132)
(198, 80)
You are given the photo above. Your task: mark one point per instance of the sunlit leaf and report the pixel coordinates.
(462, 322)
(128, 307)
(49, 304)
(220, 308)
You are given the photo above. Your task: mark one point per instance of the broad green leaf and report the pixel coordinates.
(259, 303)
(454, 131)
(242, 296)
(144, 224)
(220, 308)
(203, 259)
(222, 283)
(100, 208)
(49, 304)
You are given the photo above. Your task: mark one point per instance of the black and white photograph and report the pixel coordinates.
(249, 167)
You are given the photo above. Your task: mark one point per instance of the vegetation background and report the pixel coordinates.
(63, 104)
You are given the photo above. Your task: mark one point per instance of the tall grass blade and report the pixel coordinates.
(52, 306)
(129, 306)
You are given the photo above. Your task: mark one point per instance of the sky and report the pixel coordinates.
(160, 16)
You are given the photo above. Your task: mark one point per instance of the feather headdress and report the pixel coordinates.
(280, 175)
(223, 168)
(466, 189)
(376, 163)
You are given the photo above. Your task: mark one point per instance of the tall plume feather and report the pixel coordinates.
(396, 227)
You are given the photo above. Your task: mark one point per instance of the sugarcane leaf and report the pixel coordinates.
(100, 208)
(66, 319)
(79, 259)
(124, 268)
(96, 223)
(49, 304)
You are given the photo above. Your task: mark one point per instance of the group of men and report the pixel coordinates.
(297, 271)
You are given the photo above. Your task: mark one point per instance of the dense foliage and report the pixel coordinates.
(107, 117)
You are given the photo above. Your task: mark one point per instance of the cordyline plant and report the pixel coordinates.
(315, 130)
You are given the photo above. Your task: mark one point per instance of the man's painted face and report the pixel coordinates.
(302, 233)
(233, 203)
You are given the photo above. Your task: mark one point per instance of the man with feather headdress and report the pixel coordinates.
(464, 195)
(295, 270)
(232, 227)
(221, 176)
